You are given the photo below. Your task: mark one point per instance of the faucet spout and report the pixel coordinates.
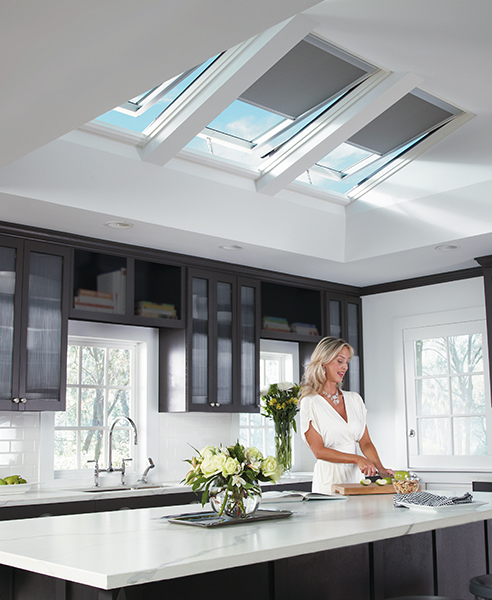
(135, 438)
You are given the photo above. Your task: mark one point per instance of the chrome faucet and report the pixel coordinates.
(135, 441)
(110, 468)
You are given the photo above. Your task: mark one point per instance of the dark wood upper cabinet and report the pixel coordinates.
(344, 320)
(291, 313)
(34, 295)
(124, 289)
(221, 346)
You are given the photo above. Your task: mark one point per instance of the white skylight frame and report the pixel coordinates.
(148, 99)
(247, 156)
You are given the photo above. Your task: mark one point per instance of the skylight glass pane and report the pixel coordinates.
(408, 118)
(343, 157)
(245, 121)
(140, 122)
(302, 79)
(316, 178)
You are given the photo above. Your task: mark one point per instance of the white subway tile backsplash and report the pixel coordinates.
(19, 443)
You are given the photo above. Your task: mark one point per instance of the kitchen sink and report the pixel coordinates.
(122, 488)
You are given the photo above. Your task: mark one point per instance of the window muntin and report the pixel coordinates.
(255, 429)
(447, 396)
(101, 383)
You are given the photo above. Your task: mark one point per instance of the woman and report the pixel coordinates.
(332, 421)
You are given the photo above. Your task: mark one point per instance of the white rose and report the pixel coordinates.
(207, 452)
(270, 468)
(208, 466)
(231, 466)
(253, 454)
(218, 461)
(284, 386)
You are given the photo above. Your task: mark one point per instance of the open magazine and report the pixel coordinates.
(297, 496)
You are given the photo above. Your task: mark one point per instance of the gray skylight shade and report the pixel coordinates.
(306, 76)
(405, 120)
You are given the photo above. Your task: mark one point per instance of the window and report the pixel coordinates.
(101, 382)
(448, 401)
(277, 362)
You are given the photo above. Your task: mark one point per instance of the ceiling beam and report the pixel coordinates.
(224, 81)
(360, 107)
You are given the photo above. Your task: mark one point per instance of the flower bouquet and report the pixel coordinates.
(280, 403)
(230, 477)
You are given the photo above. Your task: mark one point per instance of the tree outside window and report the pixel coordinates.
(100, 387)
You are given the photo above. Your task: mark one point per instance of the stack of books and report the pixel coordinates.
(276, 324)
(304, 329)
(114, 283)
(156, 311)
(92, 300)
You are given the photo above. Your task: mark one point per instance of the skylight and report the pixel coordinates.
(385, 138)
(142, 113)
(294, 110)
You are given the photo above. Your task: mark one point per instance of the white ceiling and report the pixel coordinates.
(64, 63)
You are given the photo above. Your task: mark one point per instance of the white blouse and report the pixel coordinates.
(337, 434)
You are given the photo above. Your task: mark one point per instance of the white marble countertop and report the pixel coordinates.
(109, 550)
(40, 494)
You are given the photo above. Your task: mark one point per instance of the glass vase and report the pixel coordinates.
(283, 444)
(236, 502)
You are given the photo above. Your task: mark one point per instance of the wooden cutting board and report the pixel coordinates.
(357, 489)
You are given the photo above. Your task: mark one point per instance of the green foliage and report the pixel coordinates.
(281, 403)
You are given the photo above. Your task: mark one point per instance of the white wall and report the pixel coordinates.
(384, 317)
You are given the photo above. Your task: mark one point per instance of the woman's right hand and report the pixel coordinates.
(366, 466)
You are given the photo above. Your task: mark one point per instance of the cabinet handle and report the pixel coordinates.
(15, 400)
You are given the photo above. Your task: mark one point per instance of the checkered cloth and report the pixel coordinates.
(427, 499)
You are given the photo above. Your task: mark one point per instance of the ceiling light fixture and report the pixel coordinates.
(231, 247)
(118, 224)
(446, 247)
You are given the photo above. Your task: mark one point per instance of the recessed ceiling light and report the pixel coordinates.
(446, 247)
(119, 224)
(232, 247)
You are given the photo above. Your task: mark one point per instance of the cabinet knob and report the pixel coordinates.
(23, 400)
(411, 433)
(15, 400)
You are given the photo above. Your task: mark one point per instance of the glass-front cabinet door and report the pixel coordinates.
(10, 257)
(222, 343)
(249, 345)
(344, 321)
(33, 319)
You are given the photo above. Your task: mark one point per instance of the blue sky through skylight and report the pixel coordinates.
(144, 119)
(245, 121)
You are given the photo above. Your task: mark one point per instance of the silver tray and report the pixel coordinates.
(212, 519)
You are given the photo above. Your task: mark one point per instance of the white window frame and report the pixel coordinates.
(131, 388)
(147, 340)
(445, 462)
(276, 350)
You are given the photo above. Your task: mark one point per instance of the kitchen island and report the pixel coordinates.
(337, 548)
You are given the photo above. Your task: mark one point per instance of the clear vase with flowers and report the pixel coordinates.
(229, 477)
(280, 402)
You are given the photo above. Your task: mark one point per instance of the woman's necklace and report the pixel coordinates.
(333, 397)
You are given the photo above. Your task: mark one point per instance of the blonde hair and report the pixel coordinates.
(327, 350)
